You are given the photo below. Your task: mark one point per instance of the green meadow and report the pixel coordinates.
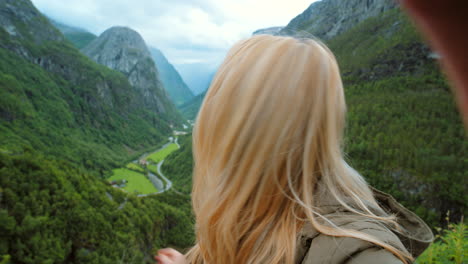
(162, 154)
(136, 182)
(135, 167)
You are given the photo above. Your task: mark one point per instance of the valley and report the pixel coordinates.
(143, 176)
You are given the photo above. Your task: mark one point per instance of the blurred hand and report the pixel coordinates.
(444, 24)
(170, 256)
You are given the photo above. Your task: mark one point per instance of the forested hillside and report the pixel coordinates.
(404, 132)
(179, 166)
(65, 122)
(57, 101)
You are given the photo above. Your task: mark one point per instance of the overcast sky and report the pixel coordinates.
(187, 31)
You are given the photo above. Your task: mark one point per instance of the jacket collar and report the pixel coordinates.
(414, 233)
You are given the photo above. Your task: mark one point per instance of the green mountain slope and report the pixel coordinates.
(55, 100)
(65, 121)
(179, 166)
(171, 79)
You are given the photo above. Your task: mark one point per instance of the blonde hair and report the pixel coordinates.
(267, 144)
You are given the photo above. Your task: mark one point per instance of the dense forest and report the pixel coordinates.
(52, 212)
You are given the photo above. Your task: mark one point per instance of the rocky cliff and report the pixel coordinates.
(124, 50)
(270, 30)
(328, 18)
(23, 21)
(178, 91)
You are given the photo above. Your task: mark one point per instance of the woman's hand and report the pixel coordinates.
(170, 256)
(444, 24)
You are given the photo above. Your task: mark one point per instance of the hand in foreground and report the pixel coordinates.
(170, 256)
(444, 24)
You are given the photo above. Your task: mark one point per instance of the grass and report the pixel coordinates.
(162, 154)
(153, 168)
(135, 167)
(136, 182)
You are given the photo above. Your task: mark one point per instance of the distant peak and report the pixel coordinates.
(270, 31)
(121, 29)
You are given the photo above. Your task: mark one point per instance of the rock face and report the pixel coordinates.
(16, 15)
(124, 50)
(178, 91)
(270, 31)
(354, 31)
(328, 18)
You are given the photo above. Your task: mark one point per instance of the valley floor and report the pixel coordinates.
(144, 176)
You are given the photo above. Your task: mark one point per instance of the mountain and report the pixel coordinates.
(270, 30)
(77, 36)
(124, 50)
(172, 81)
(51, 93)
(328, 18)
(65, 122)
(170, 78)
(198, 76)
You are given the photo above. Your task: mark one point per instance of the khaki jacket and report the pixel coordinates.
(317, 248)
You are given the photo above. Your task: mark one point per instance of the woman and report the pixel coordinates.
(270, 181)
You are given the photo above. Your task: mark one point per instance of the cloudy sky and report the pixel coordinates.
(187, 31)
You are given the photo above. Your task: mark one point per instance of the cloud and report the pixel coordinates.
(187, 31)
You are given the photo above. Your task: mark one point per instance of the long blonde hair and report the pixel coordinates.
(268, 134)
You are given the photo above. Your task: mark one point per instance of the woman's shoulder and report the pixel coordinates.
(319, 248)
(414, 237)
